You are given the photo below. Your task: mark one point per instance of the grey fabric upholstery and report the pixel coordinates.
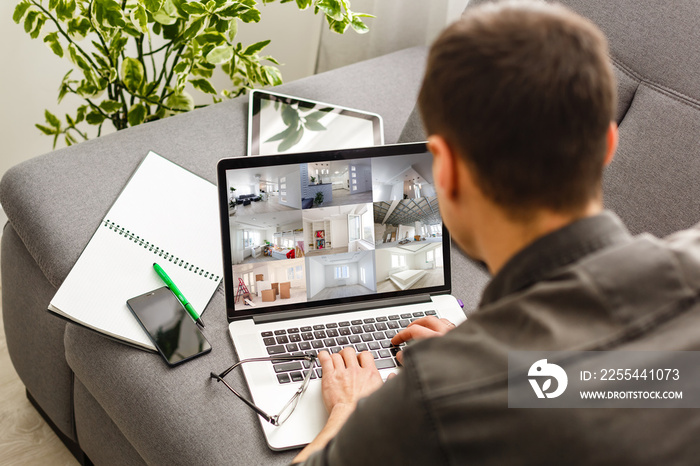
(35, 341)
(99, 437)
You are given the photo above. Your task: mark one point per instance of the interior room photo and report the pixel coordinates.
(407, 221)
(267, 237)
(340, 275)
(337, 230)
(402, 177)
(326, 184)
(265, 190)
(409, 266)
(263, 284)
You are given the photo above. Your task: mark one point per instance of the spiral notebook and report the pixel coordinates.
(164, 214)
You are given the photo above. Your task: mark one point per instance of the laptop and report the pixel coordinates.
(324, 250)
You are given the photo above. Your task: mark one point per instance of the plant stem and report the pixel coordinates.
(64, 34)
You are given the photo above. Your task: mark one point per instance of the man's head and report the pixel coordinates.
(523, 93)
(518, 100)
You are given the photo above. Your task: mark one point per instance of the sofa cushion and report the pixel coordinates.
(55, 202)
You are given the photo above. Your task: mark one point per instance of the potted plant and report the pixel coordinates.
(133, 58)
(318, 200)
(313, 180)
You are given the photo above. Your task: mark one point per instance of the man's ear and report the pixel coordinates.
(444, 166)
(612, 139)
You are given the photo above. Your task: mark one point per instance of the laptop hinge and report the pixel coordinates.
(338, 308)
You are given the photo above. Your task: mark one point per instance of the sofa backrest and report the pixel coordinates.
(653, 183)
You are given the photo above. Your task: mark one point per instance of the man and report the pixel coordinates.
(518, 100)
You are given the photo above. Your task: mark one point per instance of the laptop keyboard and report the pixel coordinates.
(372, 334)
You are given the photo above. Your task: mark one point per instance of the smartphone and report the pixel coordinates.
(170, 327)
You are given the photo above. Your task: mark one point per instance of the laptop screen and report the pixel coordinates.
(302, 231)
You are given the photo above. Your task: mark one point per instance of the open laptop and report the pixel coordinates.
(323, 250)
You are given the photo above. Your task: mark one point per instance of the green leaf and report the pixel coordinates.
(52, 41)
(136, 115)
(203, 85)
(250, 16)
(232, 11)
(272, 75)
(78, 28)
(46, 130)
(132, 74)
(303, 4)
(194, 28)
(256, 47)
(220, 54)
(338, 26)
(30, 20)
(358, 25)
(94, 118)
(37, 28)
(180, 101)
(78, 59)
(193, 8)
(153, 5)
(52, 119)
(332, 9)
(139, 18)
(20, 10)
(215, 38)
(167, 14)
(80, 116)
(110, 106)
(270, 59)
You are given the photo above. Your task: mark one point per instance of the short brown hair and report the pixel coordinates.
(525, 92)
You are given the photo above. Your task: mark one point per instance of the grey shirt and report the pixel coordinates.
(588, 286)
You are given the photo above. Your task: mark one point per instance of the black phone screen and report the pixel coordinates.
(172, 330)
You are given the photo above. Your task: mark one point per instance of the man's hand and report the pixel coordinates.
(425, 327)
(347, 377)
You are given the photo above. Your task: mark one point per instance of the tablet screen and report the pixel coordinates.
(280, 124)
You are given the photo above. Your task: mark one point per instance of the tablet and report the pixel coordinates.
(278, 124)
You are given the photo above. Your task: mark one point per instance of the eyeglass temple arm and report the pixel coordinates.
(262, 413)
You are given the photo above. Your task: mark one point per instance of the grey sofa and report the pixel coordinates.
(117, 405)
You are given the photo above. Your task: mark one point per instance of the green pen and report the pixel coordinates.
(169, 282)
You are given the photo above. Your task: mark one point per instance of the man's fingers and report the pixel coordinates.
(324, 358)
(432, 323)
(415, 332)
(366, 360)
(349, 357)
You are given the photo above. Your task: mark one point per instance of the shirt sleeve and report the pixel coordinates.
(392, 426)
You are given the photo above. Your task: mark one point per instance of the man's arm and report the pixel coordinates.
(347, 377)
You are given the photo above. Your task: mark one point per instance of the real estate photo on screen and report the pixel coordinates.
(407, 224)
(333, 230)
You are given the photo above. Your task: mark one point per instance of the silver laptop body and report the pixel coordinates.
(370, 253)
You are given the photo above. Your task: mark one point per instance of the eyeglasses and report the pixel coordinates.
(287, 409)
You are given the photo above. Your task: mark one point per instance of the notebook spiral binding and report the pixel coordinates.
(158, 251)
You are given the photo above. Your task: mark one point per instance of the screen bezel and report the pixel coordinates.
(256, 97)
(310, 157)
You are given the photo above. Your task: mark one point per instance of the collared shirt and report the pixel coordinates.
(588, 286)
